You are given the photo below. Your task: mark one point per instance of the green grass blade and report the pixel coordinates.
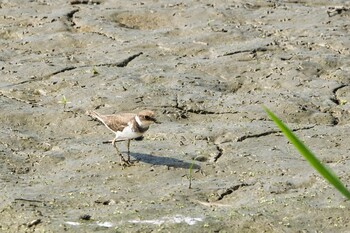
(309, 156)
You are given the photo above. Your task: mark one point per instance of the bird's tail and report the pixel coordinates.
(94, 115)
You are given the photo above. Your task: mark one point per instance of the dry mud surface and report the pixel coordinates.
(206, 68)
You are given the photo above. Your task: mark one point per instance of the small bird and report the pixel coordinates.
(126, 126)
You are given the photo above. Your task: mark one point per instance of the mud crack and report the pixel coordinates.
(252, 51)
(221, 194)
(338, 101)
(30, 102)
(122, 63)
(44, 77)
(85, 2)
(335, 97)
(244, 137)
(219, 154)
(69, 22)
(107, 36)
(203, 112)
(198, 111)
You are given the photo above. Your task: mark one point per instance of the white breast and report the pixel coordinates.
(127, 134)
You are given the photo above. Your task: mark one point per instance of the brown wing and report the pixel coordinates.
(117, 122)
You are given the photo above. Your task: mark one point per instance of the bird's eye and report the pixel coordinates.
(147, 117)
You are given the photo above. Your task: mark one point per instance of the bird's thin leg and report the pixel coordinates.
(122, 159)
(129, 150)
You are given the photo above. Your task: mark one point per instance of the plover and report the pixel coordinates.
(126, 126)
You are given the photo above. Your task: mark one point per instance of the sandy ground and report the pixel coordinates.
(206, 68)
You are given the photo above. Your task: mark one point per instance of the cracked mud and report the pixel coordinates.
(206, 68)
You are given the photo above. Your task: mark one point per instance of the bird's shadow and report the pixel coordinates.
(165, 161)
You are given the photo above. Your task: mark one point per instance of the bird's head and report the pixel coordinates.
(147, 117)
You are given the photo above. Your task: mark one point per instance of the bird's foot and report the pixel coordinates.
(125, 162)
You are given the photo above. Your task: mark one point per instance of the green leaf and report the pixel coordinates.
(327, 173)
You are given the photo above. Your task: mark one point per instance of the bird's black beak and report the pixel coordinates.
(156, 121)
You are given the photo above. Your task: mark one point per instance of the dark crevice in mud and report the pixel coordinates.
(335, 97)
(106, 35)
(35, 78)
(30, 102)
(259, 49)
(61, 71)
(230, 190)
(85, 2)
(28, 200)
(219, 154)
(335, 121)
(104, 202)
(124, 62)
(69, 18)
(71, 14)
(203, 112)
(244, 137)
(199, 111)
